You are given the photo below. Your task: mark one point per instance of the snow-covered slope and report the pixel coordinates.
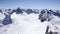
(1, 16)
(30, 24)
(26, 24)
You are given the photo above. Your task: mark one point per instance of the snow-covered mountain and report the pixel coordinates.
(29, 21)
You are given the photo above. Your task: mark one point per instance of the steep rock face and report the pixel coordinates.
(45, 15)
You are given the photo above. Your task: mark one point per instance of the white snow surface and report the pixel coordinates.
(25, 24)
(1, 16)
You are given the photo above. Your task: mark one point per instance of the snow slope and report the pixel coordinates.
(26, 24)
(1, 16)
(29, 24)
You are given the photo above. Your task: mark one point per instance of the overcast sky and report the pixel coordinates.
(34, 4)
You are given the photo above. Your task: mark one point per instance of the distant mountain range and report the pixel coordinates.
(52, 16)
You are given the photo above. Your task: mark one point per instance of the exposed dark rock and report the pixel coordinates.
(45, 15)
(0, 11)
(40, 15)
(28, 11)
(43, 19)
(47, 30)
(19, 11)
(12, 11)
(55, 32)
(7, 20)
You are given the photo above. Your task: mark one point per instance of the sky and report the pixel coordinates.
(33, 4)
